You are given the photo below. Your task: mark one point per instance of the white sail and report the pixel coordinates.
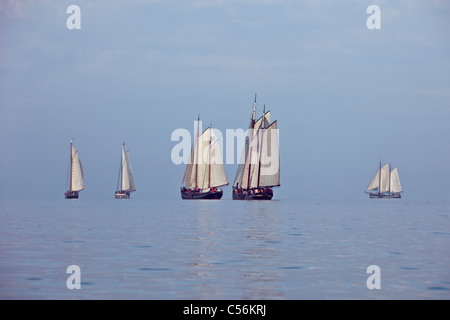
(125, 182)
(191, 177)
(262, 122)
(217, 177)
(203, 159)
(187, 172)
(375, 182)
(130, 173)
(243, 168)
(255, 159)
(251, 160)
(270, 157)
(395, 181)
(127, 174)
(191, 181)
(384, 178)
(240, 170)
(266, 119)
(76, 172)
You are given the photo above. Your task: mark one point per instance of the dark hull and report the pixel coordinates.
(385, 196)
(267, 194)
(71, 194)
(195, 195)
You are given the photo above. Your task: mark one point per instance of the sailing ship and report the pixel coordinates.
(385, 184)
(75, 175)
(259, 168)
(204, 172)
(125, 182)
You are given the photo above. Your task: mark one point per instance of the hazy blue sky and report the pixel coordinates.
(344, 96)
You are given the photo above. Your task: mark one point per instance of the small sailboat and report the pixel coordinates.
(259, 168)
(385, 184)
(75, 175)
(204, 172)
(125, 183)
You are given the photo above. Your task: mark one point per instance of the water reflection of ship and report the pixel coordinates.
(205, 267)
(220, 269)
(260, 274)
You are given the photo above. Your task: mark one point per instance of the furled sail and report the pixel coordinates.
(76, 181)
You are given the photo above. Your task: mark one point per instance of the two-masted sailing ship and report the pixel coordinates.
(204, 172)
(125, 182)
(259, 168)
(75, 174)
(385, 183)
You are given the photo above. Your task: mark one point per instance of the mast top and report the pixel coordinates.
(254, 109)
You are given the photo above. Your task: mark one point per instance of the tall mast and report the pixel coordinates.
(71, 166)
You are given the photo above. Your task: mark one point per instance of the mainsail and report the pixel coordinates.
(384, 182)
(127, 181)
(76, 172)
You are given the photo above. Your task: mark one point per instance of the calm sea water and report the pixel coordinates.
(279, 249)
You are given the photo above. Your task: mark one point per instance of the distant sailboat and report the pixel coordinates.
(204, 172)
(385, 184)
(76, 174)
(125, 183)
(259, 169)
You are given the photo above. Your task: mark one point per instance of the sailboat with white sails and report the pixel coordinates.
(385, 184)
(125, 183)
(75, 174)
(204, 172)
(259, 168)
